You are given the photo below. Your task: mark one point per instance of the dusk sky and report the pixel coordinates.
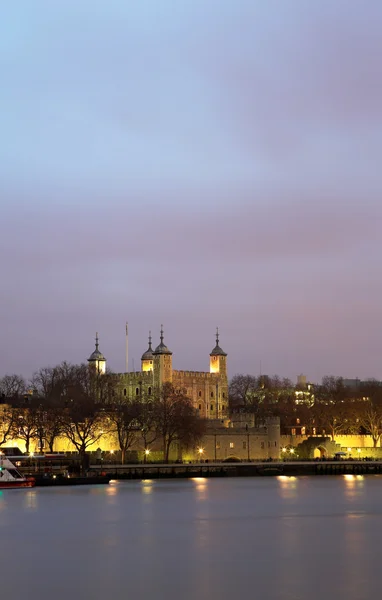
(196, 163)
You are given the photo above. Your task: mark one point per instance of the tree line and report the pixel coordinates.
(74, 402)
(330, 408)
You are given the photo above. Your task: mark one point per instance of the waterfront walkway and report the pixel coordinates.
(244, 469)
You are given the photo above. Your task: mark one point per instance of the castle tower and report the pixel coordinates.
(147, 360)
(96, 360)
(162, 362)
(218, 359)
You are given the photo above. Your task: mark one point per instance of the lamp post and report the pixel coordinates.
(200, 451)
(146, 455)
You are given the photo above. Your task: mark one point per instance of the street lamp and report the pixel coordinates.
(200, 451)
(147, 452)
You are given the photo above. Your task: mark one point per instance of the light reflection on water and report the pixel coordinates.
(281, 537)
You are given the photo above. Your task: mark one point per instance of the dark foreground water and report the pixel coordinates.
(224, 539)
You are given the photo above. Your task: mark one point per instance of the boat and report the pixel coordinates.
(10, 478)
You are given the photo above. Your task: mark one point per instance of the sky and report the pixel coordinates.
(196, 163)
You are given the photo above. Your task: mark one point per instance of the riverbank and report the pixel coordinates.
(261, 469)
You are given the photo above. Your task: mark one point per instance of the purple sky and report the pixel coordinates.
(198, 164)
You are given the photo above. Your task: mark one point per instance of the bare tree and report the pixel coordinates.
(24, 425)
(122, 417)
(7, 419)
(147, 425)
(175, 418)
(83, 420)
(371, 420)
(12, 386)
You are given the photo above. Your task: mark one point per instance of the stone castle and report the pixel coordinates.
(207, 390)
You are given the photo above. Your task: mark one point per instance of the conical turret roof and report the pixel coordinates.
(162, 348)
(149, 354)
(97, 354)
(217, 351)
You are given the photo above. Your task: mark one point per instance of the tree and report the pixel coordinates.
(371, 420)
(176, 419)
(147, 425)
(12, 386)
(242, 389)
(370, 413)
(122, 417)
(82, 420)
(7, 419)
(24, 425)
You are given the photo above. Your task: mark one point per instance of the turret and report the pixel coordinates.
(218, 358)
(147, 360)
(162, 362)
(96, 360)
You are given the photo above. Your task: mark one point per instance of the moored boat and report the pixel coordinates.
(10, 478)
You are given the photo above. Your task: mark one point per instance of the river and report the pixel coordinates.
(271, 538)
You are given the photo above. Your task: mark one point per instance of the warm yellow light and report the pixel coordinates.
(147, 451)
(291, 450)
(146, 366)
(31, 454)
(349, 449)
(283, 450)
(200, 450)
(359, 450)
(111, 451)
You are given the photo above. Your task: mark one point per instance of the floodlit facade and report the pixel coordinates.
(207, 390)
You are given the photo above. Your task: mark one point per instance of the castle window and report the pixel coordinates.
(200, 407)
(212, 394)
(223, 407)
(137, 391)
(149, 391)
(223, 394)
(212, 407)
(231, 445)
(124, 392)
(151, 362)
(200, 394)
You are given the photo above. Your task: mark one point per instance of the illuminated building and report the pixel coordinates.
(207, 390)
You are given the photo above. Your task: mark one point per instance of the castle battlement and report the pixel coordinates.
(136, 377)
(196, 374)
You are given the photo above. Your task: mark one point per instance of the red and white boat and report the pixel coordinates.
(10, 478)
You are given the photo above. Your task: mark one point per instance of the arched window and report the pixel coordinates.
(149, 391)
(137, 391)
(200, 394)
(200, 407)
(124, 392)
(212, 394)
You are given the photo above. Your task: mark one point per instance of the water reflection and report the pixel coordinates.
(147, 486)
(200, 486)
(288, 486)
(353, 485)
(277, 538)
(31, 499)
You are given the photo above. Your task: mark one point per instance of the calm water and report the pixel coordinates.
(270, 538)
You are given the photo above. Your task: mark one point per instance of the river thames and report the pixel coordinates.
(280, 538)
